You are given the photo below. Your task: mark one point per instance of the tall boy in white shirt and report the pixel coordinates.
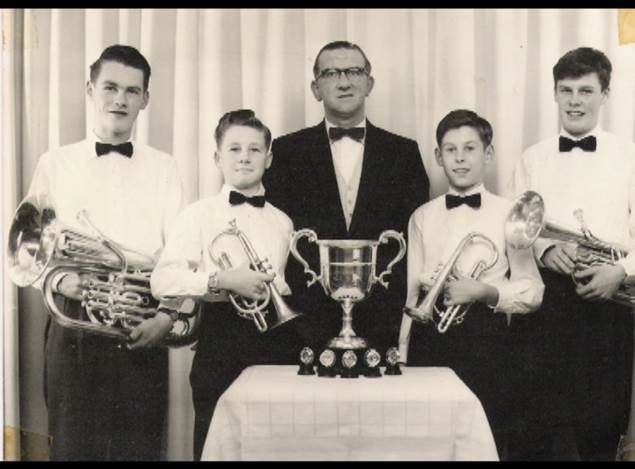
(104, 401)
(477, 349)
(581, 344)
(228, 343)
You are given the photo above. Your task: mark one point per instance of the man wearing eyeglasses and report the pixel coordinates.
(346, 179)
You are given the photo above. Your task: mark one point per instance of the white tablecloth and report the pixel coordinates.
(271, 413)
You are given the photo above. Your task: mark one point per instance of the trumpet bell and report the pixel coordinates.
(283, 313)
(31, 243)
(525, 220)
(417, 314)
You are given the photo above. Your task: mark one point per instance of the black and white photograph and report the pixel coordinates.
(355, 234)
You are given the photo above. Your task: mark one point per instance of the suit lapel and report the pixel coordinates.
(327, 182)
(372, 167)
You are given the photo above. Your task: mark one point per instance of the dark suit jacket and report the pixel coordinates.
(301, 181)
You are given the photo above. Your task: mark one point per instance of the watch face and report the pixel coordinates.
(349, 359)
(306, 356)
(372, 358)
(392, 356)
(327, 358)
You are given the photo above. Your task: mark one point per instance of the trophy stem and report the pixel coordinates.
(347, 338)
(347, 319)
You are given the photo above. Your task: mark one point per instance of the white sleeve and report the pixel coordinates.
(177, 272)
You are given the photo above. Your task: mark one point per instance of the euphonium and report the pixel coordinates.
(253, 310)
(529, 208)
(115, 284)
(425, 310)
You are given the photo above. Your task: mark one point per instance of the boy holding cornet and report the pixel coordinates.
(203, 258)
(580, 343)
(475, 347)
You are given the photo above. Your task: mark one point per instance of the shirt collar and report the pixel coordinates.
(474, 190)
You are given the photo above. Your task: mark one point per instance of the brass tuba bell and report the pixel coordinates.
(246, 308)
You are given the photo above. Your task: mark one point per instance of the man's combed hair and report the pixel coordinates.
(244, 117)
(465, 118)
(582, 61)
(125, 55)
(340, 45)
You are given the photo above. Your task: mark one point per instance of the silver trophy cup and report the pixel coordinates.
(347, 274)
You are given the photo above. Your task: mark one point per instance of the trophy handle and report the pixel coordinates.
(383, 239)
(312, 238)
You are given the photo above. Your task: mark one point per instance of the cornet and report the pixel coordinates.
(529, 209)
(426, 308)
(115, 298)
(253, 310)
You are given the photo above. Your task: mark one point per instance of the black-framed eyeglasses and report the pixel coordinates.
(334, 74)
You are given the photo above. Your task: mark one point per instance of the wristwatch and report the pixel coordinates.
(212, 284)
(174, 314)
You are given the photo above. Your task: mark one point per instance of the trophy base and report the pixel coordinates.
(348, 343)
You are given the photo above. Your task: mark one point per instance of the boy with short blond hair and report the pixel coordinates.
(227, 342)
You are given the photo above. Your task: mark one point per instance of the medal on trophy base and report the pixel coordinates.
(392, 361)
(371, 363)
(326, 364)
(347, 275)
(349, 362)
(306, 362)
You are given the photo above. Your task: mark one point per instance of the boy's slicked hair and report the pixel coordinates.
(125, 55)
(244, 117)
(582, 61)
(465, 118)
(340, 45)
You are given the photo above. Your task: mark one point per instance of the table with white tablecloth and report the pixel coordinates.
(272, 413)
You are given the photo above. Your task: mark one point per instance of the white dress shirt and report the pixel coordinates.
(601, 183)
(186, 263)
(434, 232)
(130, 200)
(348, 156)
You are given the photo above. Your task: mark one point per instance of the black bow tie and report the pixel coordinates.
(452, 201)
(236, 198)
(587, 143)
(356, 133)
(124, 148)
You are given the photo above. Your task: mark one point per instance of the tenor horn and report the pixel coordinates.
(115, 285)
(426, 308)
(254, 310)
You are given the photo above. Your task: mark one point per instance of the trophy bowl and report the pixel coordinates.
(347, 275)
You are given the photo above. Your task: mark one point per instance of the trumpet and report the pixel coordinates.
(115, 289)
(426, 308)
(254, 310)
(529, 208)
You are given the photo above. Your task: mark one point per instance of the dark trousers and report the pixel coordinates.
(227, 345)
(104, 402)
(577, 360)
(478, 352)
